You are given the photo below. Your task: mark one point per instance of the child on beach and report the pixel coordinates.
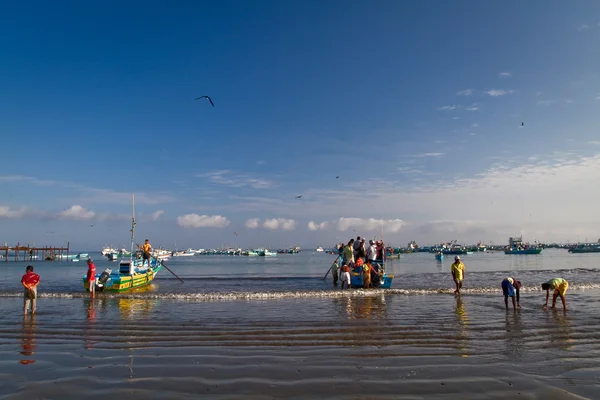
(509, 287)
(458, 273)
(560, 286)
(345, 276)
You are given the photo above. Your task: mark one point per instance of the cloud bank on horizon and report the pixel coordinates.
(401, 146)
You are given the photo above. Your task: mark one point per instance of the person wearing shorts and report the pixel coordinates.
(510, 287)
(345, 276)
(91, 278)
(458, 274)
(147, 252)
(560, 286)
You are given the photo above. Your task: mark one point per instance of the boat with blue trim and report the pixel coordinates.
(132, 273)
(516, 246)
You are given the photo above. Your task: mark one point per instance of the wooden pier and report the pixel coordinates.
(29, 253)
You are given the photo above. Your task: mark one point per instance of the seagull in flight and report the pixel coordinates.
(337, 177)
(206, 97)
(92, 225)
(522, 124)
(299, 197)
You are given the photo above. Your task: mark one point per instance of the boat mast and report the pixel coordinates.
(132, 223)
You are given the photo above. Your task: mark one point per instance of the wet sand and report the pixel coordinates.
(356, 347)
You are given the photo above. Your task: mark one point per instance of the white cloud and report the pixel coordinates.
(430, 155)
(279, 224)
(595, 142)
(7, 212)
(157, 214)
(475, 125)
(261, 162)
(312, 226)
(583, 27)
(545, 102)
(252, 223)
(466, 92)
(568, 101)
(230, 178)
(498, 92)
(370, 224)
(505, 74)
(448, 108)
(76, 212)
(202, 221)
(473, 107)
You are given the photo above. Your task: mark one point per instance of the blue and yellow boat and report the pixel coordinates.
(132, 274)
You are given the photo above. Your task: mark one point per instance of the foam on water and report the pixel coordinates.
(297, 294)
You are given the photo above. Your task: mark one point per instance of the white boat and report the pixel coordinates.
(187, 253)
(319, 249)
(107, 250)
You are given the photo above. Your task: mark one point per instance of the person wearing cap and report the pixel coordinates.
(91, 277)
(560, 286)
(458, 273)
(509, 287)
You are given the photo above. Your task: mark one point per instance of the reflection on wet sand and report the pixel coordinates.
(515, 346)
(463, 322)
(28, 344)
(362, 307)
(561, 331)
(90, 323)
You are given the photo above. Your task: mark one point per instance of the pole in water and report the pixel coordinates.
(167, 268)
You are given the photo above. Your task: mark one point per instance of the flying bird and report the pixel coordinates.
(206, 97)
(92, 225)
(522, 124)
(299, 197)
(337, 177)
(235, 233)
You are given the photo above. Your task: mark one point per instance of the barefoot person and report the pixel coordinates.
(30, 282)
(510, 286)
(345, 276)
(147, 252)
(458, 273)
(560, 286)
(334, 271)
(91, 277)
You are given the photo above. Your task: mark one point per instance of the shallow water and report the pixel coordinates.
(229, 336)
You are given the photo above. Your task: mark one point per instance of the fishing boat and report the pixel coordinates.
(585, 249)
(132, 273)
(516, 246)
(319, 249)
(265, 253)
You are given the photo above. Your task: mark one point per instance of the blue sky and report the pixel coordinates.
(416, 106)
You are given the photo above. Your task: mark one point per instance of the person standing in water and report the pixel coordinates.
(91, 277)
(30, 282)
(510, 286)
(334, 271)
(458, 274)
(560, 286)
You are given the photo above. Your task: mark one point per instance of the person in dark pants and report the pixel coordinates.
(510, 287)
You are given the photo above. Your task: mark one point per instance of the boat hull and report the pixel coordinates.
(119, 282)
(525, 251)
(356, 280)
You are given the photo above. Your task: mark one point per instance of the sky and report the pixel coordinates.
(428, 121)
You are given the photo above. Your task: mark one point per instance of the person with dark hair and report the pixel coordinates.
(147, 252)
(510, 286)
(30, 282)
(458, 274)
(560, 286)
(91, 277)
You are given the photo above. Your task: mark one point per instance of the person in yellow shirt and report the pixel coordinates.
(560, 286)
(458, 273)
(147, 252)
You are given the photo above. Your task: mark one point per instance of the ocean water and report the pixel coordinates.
(257, 328)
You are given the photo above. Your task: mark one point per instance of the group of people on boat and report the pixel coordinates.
(511, 286)
(358, 257)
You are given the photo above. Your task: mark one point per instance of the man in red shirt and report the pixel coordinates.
(91, 277)
(30, 281)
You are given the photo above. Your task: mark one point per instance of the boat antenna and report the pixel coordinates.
(132, 223)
